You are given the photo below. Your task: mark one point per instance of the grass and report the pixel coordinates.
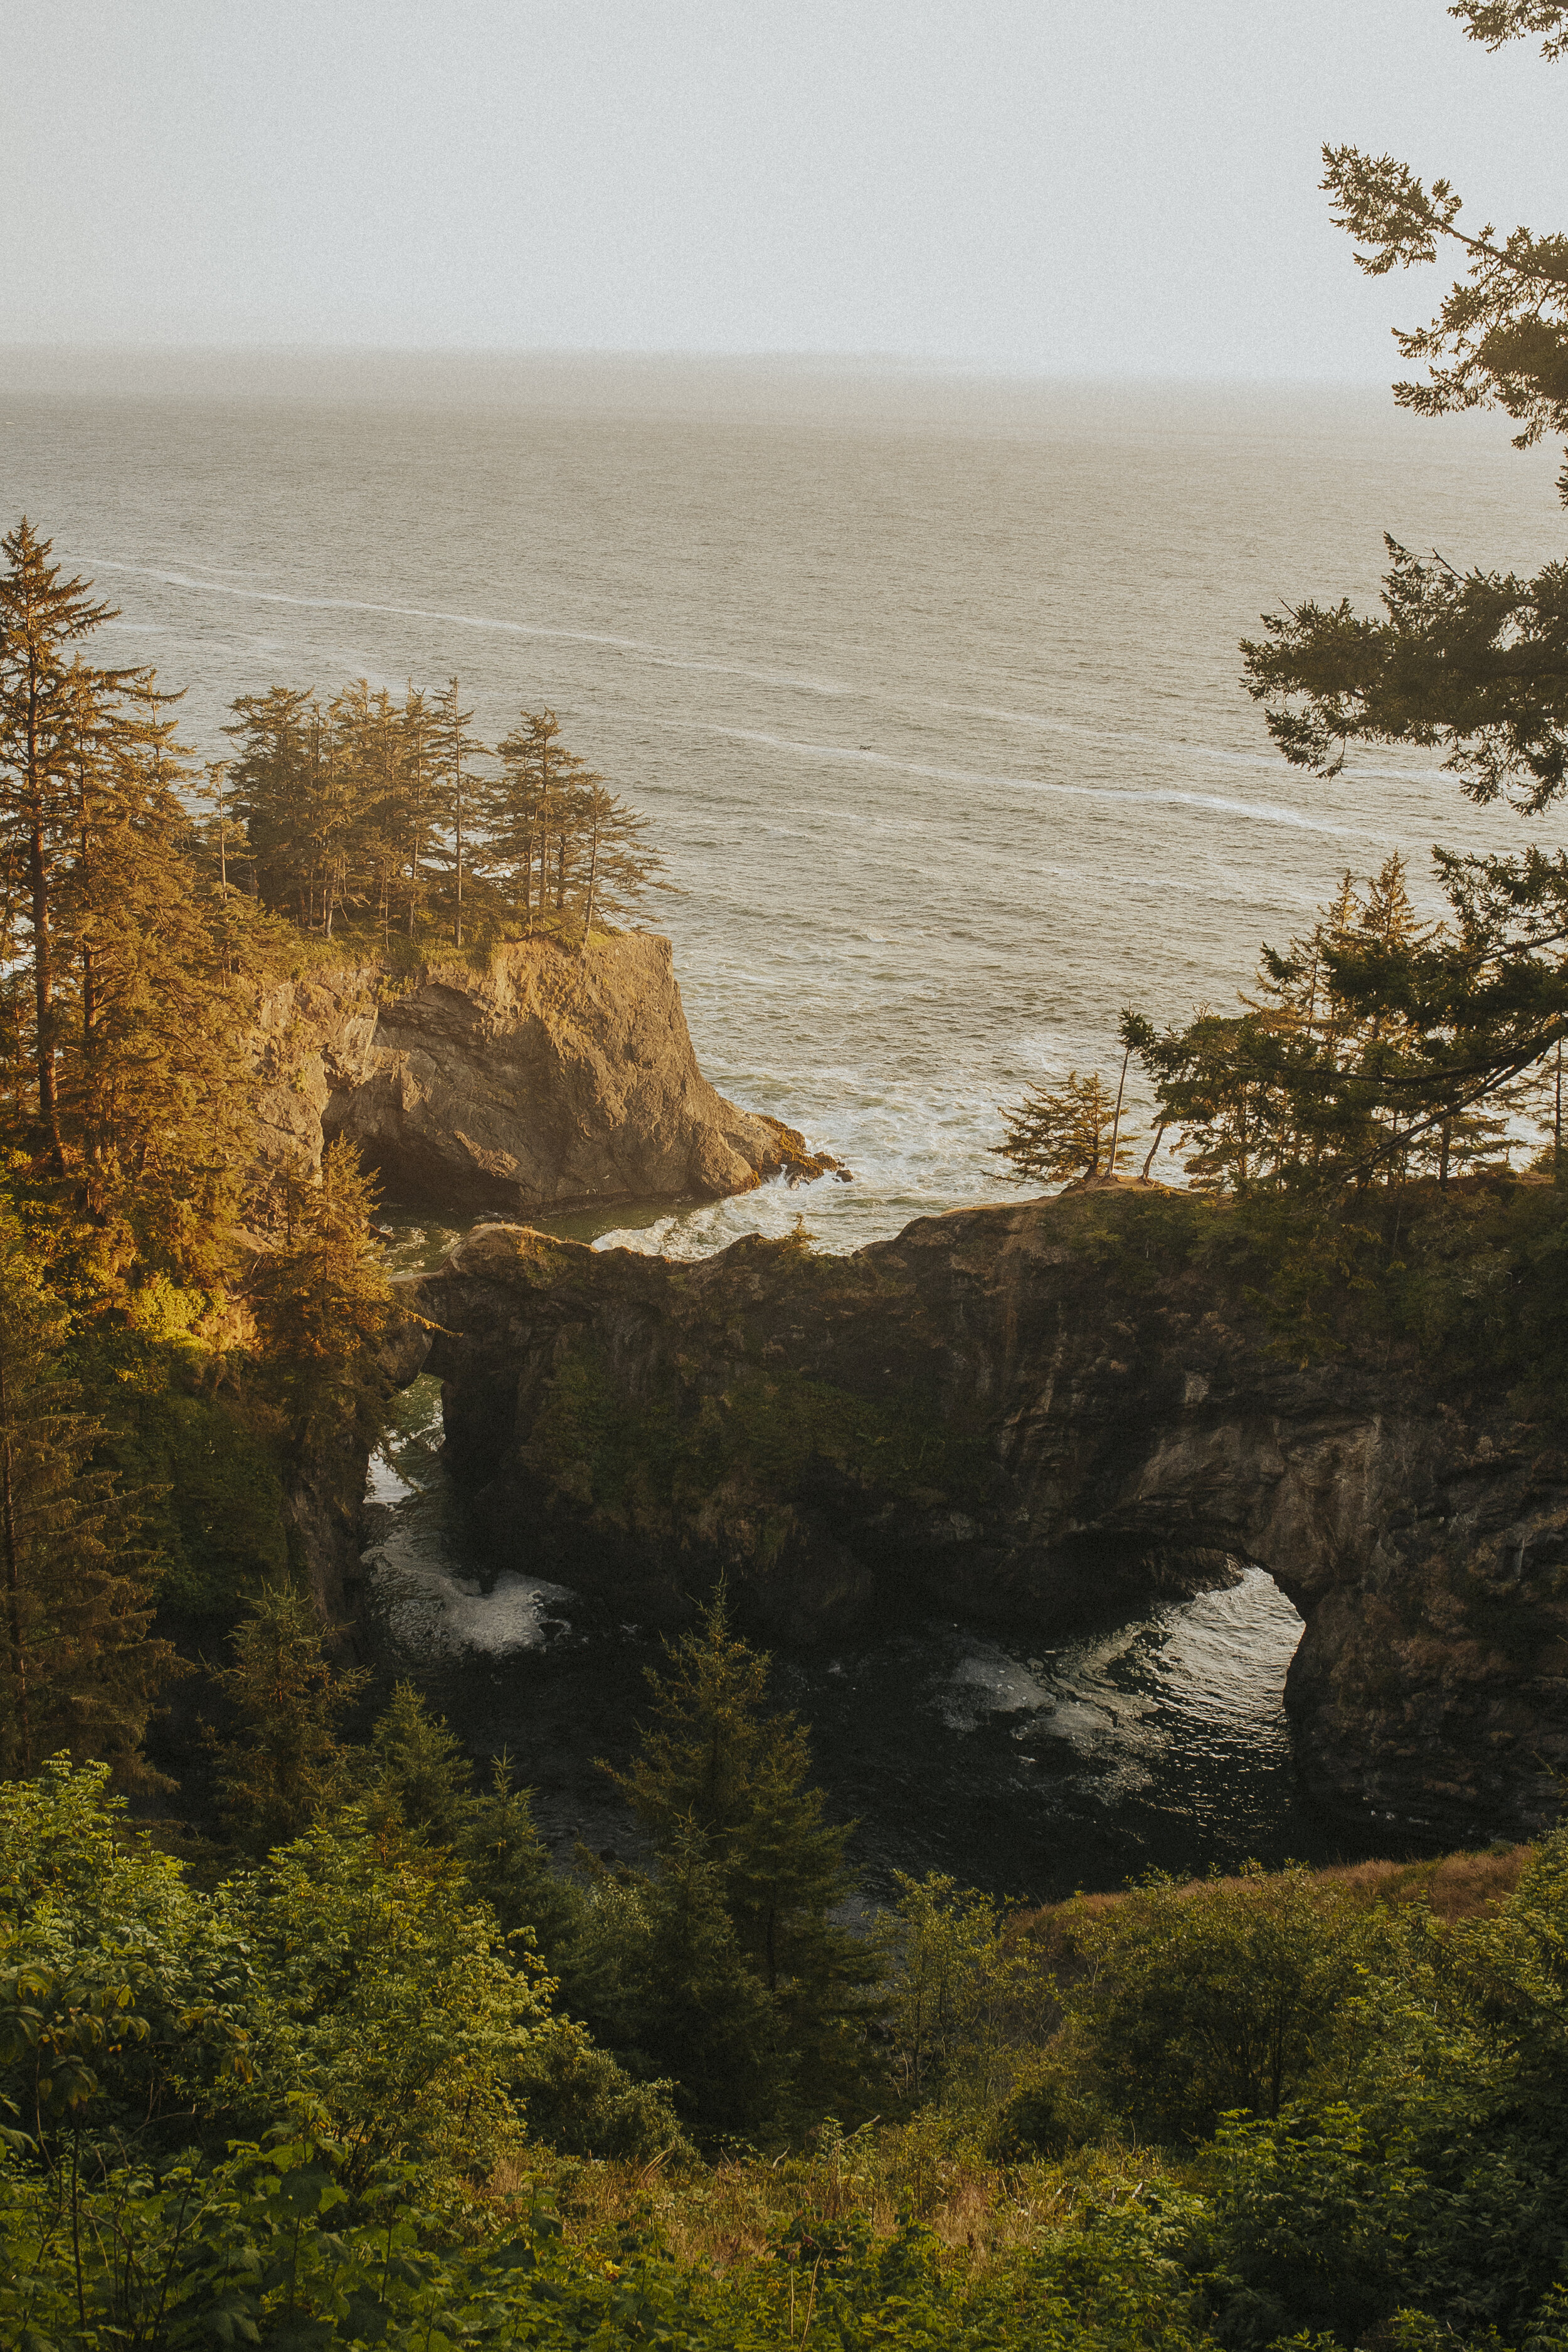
(737, 2211)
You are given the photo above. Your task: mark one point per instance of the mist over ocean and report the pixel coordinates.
(929, 683)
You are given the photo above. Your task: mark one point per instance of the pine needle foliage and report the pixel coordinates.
(1472, 664)
(117, 1010)
(82, 1670)
(1349, 1060)
(720, 1782)
(1067, 1134)
(285, 1763)
(321, 1298)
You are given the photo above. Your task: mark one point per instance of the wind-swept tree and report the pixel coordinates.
(1473, 664)
(1067, 1134)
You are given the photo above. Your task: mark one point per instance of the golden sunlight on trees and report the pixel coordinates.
(391, 818)
(81, 1665)
(1067, 1134)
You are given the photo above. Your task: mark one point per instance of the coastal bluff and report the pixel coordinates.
(520, 1082)
(1037, 1413)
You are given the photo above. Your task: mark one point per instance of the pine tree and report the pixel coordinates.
(286, 1763)
(420, 802)
(459, 792)
(703, 2015)
(82, 1670)
(415, 1778)
(1069, 1133)
(50, 705)
(722, 1780)
(156, 1116)
(277, 736)
(525, 808)
(319, 1296)
(621, 867)
(564, 852)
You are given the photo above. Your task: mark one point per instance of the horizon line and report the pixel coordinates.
(795, 359)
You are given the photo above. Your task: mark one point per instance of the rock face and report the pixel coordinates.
(533, 1084)
(1013, 1411)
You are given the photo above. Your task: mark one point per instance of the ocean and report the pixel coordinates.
(930, 686)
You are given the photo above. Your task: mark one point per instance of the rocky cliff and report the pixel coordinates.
(1028, 1413)
(519, 1083)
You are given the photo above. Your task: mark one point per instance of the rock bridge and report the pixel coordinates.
(1023, 1414)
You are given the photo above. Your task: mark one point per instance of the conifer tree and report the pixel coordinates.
(272, 777)
(415, 1776)
(420, 802)
(319, 1296)
(703, 2015)
(458, 791)
(50, 707)
(1070, 1133)
(721, 1783)
(1334, 1073)
(525, 808)
(621, 865)
(1472, 664)
(285, 1763)
(565, 851)
(82, 1670)
(157, 1115)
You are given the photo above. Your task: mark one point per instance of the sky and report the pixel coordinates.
(1081, 188)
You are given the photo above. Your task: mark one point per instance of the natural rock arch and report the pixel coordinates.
(1014, 1414)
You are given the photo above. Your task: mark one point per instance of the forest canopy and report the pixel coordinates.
(387, 817)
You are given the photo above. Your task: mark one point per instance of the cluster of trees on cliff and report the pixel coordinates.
(1333, 1074)
(389, 816)
(169, 1318)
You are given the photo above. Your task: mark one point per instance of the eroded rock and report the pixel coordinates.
(1016, 1412)
(527, 1082)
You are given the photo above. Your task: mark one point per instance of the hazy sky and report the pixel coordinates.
(1102, 186)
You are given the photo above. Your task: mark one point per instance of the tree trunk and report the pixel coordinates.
(43, 961)
(593, 878)
(1115, 1122)
(13, 1572)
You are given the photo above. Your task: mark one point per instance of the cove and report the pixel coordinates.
(1027, 1770)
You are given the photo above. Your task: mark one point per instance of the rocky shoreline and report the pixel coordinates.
(523, 1082)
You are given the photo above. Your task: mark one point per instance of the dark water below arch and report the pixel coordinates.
(1025, 1768)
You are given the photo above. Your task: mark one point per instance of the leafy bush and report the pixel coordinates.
(1229, 1994)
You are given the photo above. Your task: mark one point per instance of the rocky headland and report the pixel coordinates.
(523, 1081)
(1036, 1414)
